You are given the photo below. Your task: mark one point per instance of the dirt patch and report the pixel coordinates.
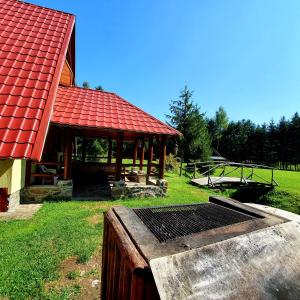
(87, 276)
(94, 219)
(97, 206)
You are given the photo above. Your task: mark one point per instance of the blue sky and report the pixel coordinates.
(243, 55)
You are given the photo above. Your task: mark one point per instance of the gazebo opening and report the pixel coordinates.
(96, 163)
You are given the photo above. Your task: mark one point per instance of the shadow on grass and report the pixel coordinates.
(268, 196)
(254, 195)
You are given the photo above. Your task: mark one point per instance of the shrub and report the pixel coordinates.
(172, 164)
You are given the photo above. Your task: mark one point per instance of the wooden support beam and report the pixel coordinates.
(162, 157)
(150, 156)
(109, 151)
(67, 155)
(28, 173)
(119, 156)
(135, 151)
(83, 152)
(142, 153)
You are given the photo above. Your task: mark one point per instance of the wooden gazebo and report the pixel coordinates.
(80, 112)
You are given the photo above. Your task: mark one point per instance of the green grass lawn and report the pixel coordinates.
(32, 251)
(43, 258)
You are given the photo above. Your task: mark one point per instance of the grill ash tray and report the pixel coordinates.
(166, 230)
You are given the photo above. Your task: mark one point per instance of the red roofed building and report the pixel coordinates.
(43, 116)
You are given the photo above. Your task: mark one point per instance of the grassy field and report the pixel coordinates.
(57, 253)
(42, 258)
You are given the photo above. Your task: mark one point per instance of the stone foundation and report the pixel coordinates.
(39, 193)
(14, 200)
(122, 190)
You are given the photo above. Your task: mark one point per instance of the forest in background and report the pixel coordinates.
(274, 143)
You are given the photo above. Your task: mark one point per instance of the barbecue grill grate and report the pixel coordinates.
(170, 222)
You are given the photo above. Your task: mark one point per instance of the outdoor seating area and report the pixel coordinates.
(61, 163)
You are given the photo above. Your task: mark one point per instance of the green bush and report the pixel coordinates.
(172, 164)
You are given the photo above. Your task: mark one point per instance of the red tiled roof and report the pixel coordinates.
(33, 45)
(82, 107)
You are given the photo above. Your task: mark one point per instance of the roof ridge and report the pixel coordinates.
(43, 7)
(89, 89)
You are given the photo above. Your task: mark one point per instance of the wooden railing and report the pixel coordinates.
(126, 170)
(195, 170)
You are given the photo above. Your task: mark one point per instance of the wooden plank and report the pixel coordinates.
(131, 165)
(142, 153)
(119, 156)
(67, 155)
(109, 151)
(135, 152)
(150, 155)
(46, 163)
(83, 150)
(46, 175)
(125, 244)
(66, 77)
(162, 157)
(123, 267)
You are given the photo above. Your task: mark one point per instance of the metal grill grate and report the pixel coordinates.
(170, 222)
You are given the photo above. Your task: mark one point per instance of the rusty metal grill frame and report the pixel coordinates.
(171, 222)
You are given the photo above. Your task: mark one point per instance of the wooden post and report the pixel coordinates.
(28, 173)
(67, 155)
(208, 176)
(83, 151)
(150, 156)
(162, 157)
(109, 151)
(135, 151)
(142, 154)
(180, 172)
(119, 156)
(242, 173)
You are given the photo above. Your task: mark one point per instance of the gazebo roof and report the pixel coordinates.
(86, 108)
(33, 45)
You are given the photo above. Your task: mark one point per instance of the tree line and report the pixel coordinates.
(273, 144)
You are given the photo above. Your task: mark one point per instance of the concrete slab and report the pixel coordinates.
(22, 212)
(276, 211)
(264, 264)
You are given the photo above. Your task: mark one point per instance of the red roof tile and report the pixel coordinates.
(33, 45)
(82, 107)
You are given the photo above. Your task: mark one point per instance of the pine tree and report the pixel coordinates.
(186, 117)
(99, 88)
(218, 126)
(86, 84)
